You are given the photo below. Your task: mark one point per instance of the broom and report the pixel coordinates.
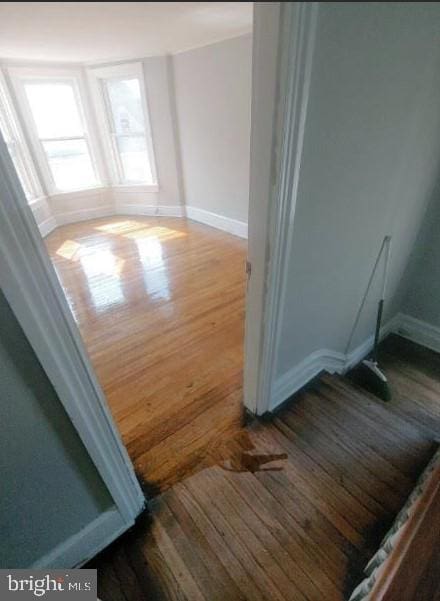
(368, 374)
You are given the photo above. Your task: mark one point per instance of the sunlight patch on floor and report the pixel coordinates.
(121, 227)
(68, 250)
(159, 232)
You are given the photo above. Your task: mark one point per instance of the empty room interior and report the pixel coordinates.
(220, 299)
(137, 175)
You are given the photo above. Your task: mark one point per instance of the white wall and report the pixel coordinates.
(160, 94)
(213, 93)
(49, 490)
(369, 167)
(421, 286)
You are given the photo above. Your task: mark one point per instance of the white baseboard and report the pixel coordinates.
(47, 226)
(81, 547)
(233, 226)
(419, 331)
(50, 224)
(304, 372)
(325, 360)
(150, 210)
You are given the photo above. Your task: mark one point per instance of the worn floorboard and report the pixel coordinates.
(290, 509)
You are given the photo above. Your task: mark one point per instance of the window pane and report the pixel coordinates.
(125, 106)
(134, 159)
(55, 109)
(70, 163)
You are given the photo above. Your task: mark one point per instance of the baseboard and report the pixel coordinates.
(325, 360)
(150, 210)
(47, 226)
(300, 375)
(81, 547)
(419, 331)
(232, 226)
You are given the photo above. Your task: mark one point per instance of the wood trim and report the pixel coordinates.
(416, 543)
(31, 287)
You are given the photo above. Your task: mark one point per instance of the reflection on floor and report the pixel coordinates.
(295, 507)
(160, 305)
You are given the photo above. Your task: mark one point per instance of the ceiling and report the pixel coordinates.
(87, 32)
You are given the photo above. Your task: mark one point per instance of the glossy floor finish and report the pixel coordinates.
(297, 506)
(160, 306)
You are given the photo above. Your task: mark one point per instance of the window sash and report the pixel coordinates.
(23, 76)
(89, 155)
(114, 135)
(99, 78)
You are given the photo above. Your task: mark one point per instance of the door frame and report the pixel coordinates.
(282, 54)
(284, 40)
(31, 287)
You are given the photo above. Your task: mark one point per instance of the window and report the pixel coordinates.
(119, 94)
(57, 115)
(127, 128)
(16, 146)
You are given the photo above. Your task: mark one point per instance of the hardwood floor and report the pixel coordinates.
(294, 507)
(160, 306)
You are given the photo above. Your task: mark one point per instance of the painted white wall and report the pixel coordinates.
(369, 166)
(421, 290)
(213, 94)
(43, 464)
(160, 95)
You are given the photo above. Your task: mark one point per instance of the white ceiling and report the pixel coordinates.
(102, 31)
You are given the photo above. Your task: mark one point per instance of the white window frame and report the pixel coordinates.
(97, 76)
(20, 77)
(14, 135)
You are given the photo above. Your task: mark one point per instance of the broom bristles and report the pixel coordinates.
(367, 379)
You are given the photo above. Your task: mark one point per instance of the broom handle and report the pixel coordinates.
(385, 243)
(387, 246)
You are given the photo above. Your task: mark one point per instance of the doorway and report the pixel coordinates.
(137, 175)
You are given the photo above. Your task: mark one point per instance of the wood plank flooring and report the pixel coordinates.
(160, 306)
(294, 507)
